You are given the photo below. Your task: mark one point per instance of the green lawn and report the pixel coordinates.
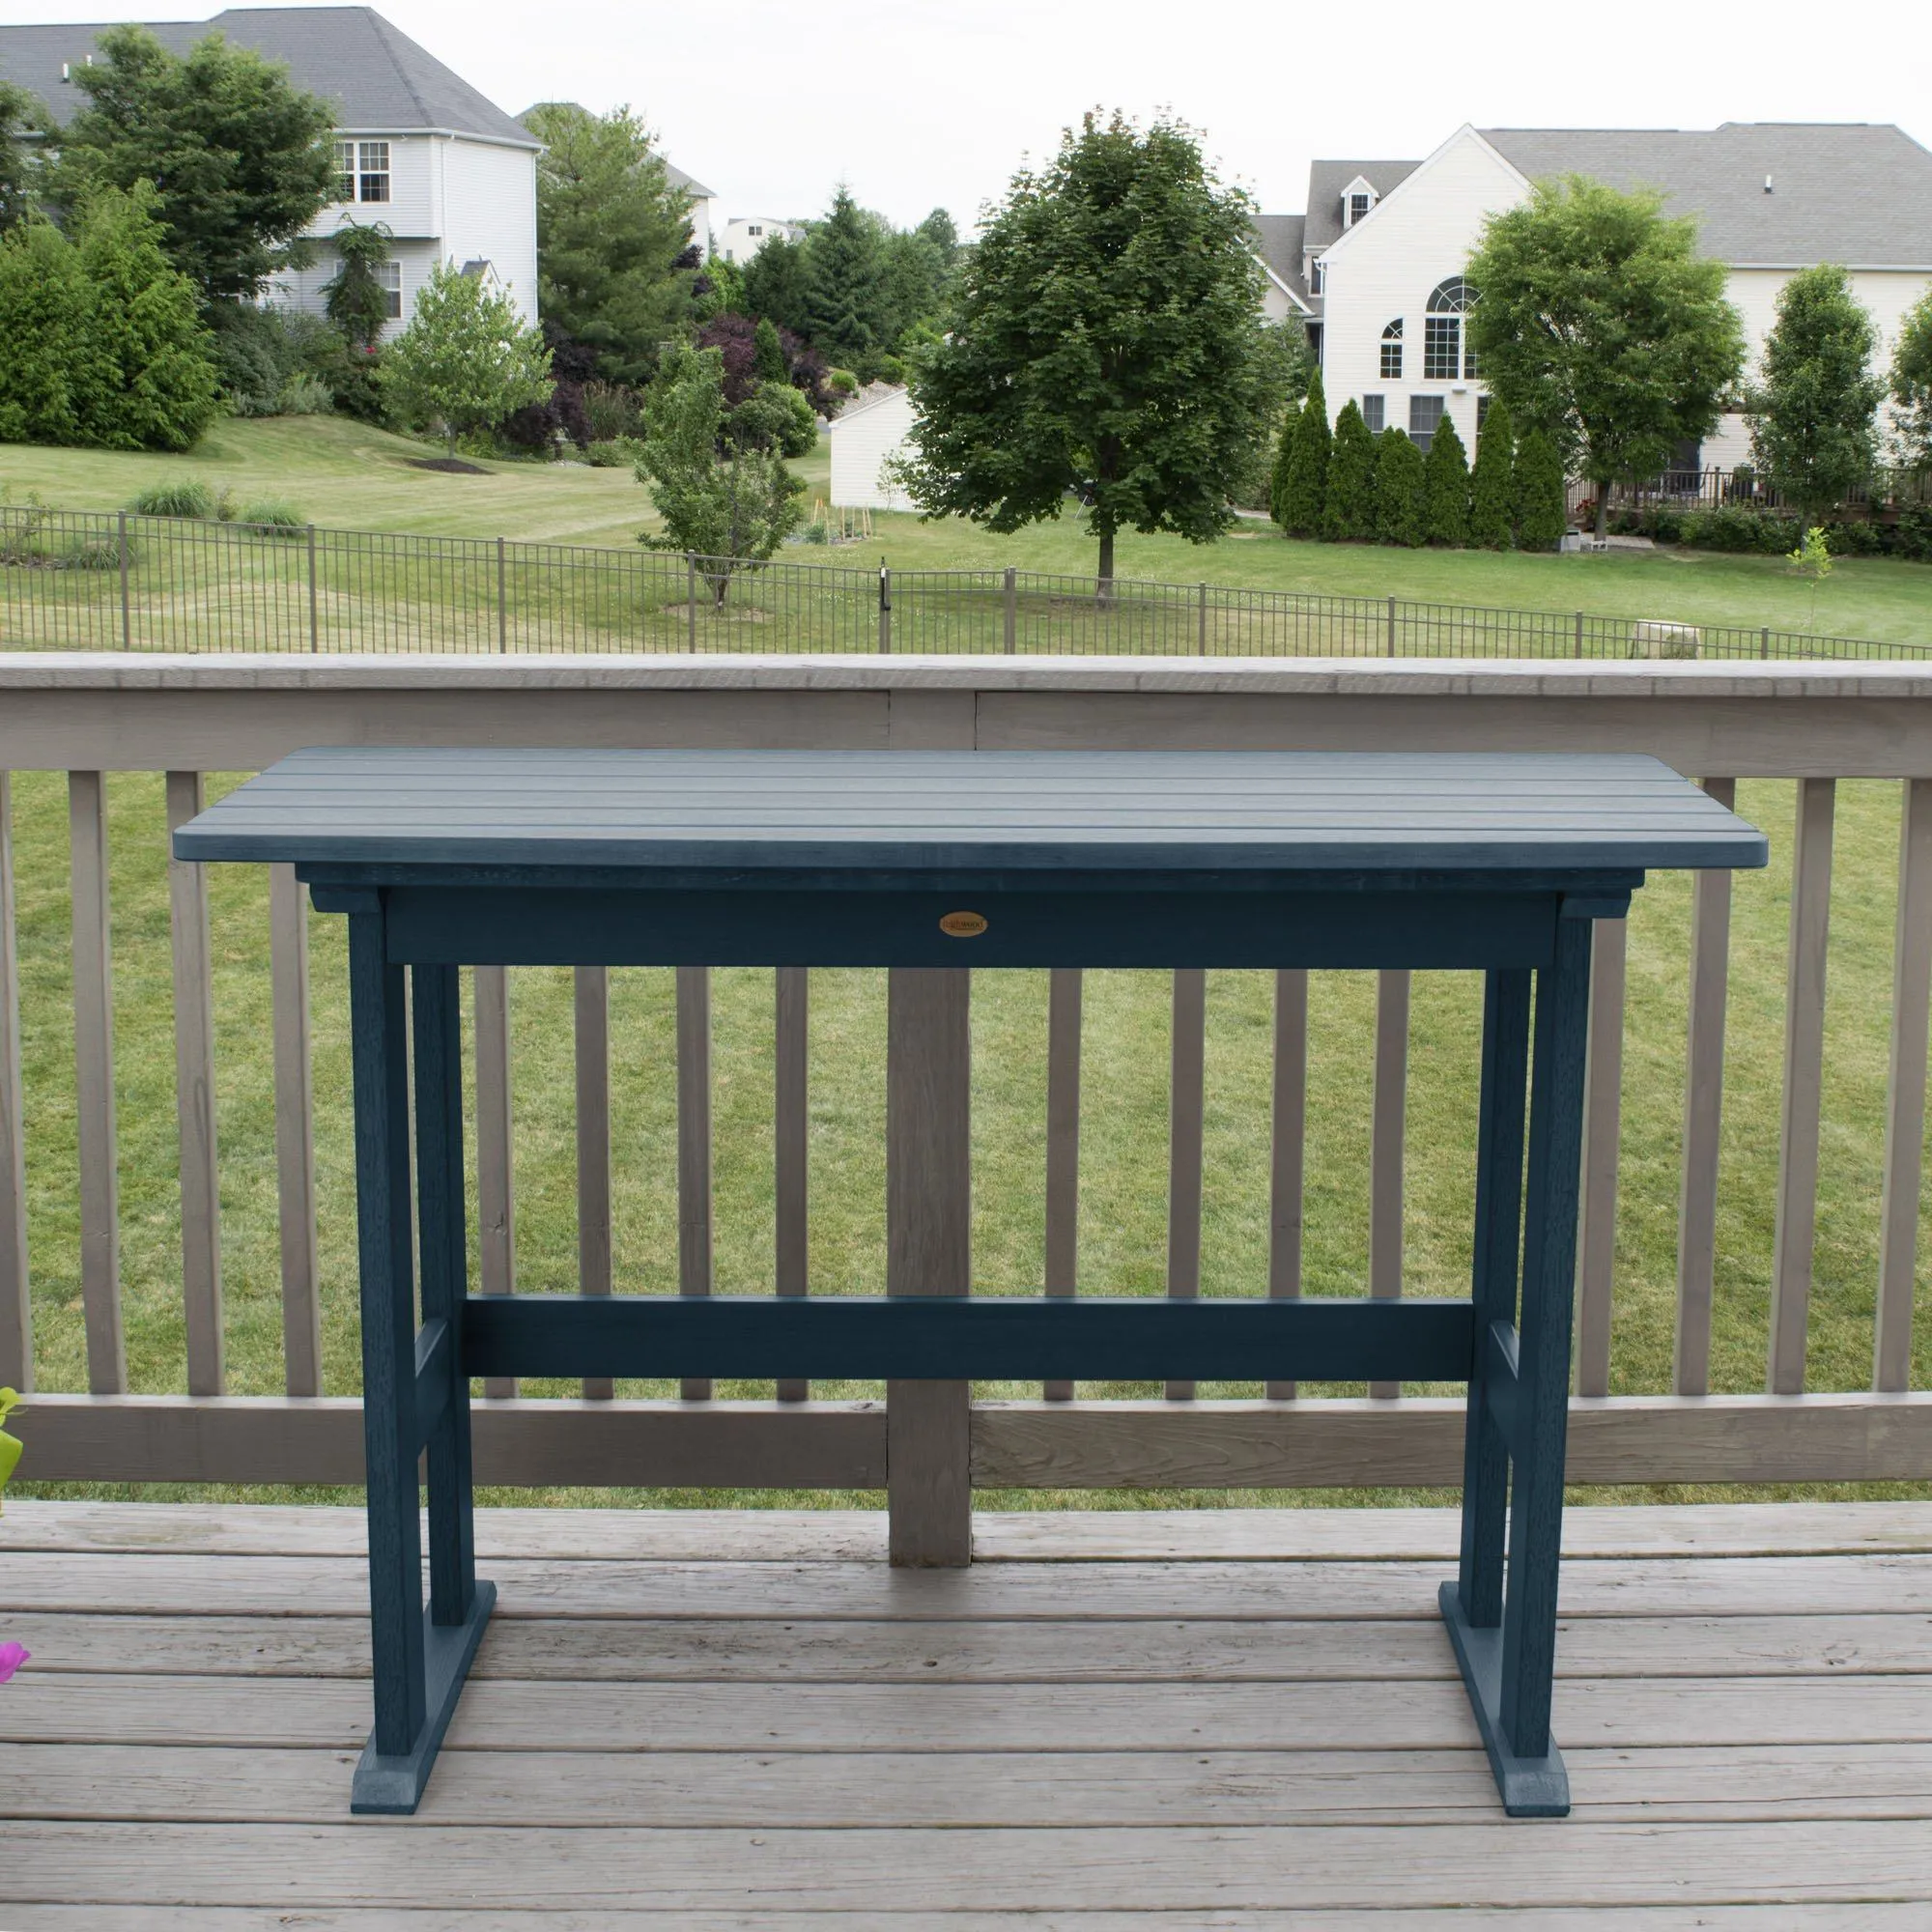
(351, 477)
(1124, 1148)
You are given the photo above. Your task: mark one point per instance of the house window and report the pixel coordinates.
(1392, 352)
(1375, 414)
(389, 278)
(1317, 275)
(372, 174)
(1442, 357)
(345, 171)
(1358, 206)
(1424, 413)
(1481, 412)
(753, 229)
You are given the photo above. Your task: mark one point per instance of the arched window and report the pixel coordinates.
(1442, 332)
(1392, 351)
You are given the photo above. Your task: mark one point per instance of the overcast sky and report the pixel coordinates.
(921, 103)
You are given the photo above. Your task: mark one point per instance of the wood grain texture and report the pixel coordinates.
(591, 1014)
(1387, 1130)
(295, 1133)
(193, 971)
(496, 1185)
(1186, 1089)
(1799, 1113)
(16, 1308)
(1905, 1093)
(694, 1236)
(93, 1084)
(1288, 1143)
(1603, 1122)
(1703, 1116)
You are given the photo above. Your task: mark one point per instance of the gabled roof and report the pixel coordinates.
(381, 81)
(1278, 243)
(689, 184)
(1328, 182)
(1859, 193)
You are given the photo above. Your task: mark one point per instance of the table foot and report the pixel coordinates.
(395, 1785)
(1531, 1787)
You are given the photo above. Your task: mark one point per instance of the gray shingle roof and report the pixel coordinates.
(1327, 179)
(378, 78)
(1278, 239)
(1857, 194)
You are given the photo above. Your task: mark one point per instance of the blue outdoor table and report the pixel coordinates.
(448, 858)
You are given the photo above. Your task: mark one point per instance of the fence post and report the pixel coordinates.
(127, 621)
(502, 603)
(314, 620)
(1200, 627)
(1580, 634)
(885, 609)
(691, 600)
(1391, 628)
(1012, 610)
(1763, 643)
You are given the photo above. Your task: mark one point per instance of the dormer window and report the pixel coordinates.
(1392, 352)
(1358, 206)
(1357, 198)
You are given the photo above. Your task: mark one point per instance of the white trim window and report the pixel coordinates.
(1425, 417)
(1442, 358)
(1391, 369)
(1375, 412)
(361, 171)
(389, 278)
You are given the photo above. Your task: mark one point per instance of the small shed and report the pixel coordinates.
(865, 435)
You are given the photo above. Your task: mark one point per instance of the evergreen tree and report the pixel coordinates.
(1284, 463)
(353, 298)
(772, 284)
(1491, 512)
(1398, 486)
(847, 288)
(1541, 512)
(1306, 493)
(1349, 515)
(1445, 487)
(150, 377)
(46, 319)
(768, 356)
(21, 114)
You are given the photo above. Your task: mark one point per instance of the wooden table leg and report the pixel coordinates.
(1509, 1673)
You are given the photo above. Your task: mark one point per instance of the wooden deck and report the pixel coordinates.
(1126, 1720)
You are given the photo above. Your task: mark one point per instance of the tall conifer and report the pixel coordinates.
(1542, 515)
(1303, 498)
(1445, 487)
(1399, 479)
(1349, 515)
(1489, 487)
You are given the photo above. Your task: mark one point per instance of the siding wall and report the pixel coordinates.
(860, 445)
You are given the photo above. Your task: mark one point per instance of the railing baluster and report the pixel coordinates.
(93, 1086)
(592, 990)
(694, 1147)
(194, 1100)
(17, 1311)
(1703, 1116)
(496, 1186)
(1905, 1093)
(294, 1132)
(1289, 1151)
(1388, 1124)
(1064, 986)
(1187, 1085)
(1803, 1081)
(791, 1130)
(1597, 1242)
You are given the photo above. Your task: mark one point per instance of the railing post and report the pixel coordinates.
(496, 1188)
(502, 602)
(694, 1147)
(1201, 643)
(1763, 643)
(1580, 634)
(691, 600)
(1388, 1120)
(1187, 1089)
(884, 610)
(591, 985)
(1391, 627)
(1602, 1089)
(1012, 610)
(791, 1133)
(16, 1318)
(1905, 1094)
(1064, 987)
(314, 612)
(126, 611)
(1288, 1149)
(294, 1132)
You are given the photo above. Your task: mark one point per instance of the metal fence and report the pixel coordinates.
(1746, 489)
(106, 580)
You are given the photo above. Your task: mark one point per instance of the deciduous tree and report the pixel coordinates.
(355, 298)
(1912, 384)
(1814, 412)
(612, 230)
(46, 326)
(1600, 324)
(1349, 515)
(21, 113)
(465, 361)
(1445, 487)
(1399, 480)
(1492, 519)
(1105, 346)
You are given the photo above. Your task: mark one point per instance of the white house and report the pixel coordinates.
(744, 235)
(1384, 243)
(416, 147)
(703, 204)
(866, 436)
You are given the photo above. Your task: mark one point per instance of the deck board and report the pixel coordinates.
(1148, 1720)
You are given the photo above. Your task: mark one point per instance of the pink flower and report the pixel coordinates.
(11, 1656)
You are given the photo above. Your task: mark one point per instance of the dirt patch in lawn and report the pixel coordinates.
(454, 466)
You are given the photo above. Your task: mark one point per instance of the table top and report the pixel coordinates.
(907, 814)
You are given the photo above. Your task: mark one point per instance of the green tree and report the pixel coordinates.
(1445, 487)
(465, 361)
(1490, 510)
(612, 230)
(355, 298)
(847, 288)
(1305, 494)
(21, 114)
(1600, 326)
(768, 356)
(1536, 487)
(1284, 465)
(726, 504)
(1814, 412)
(773, 282)
(1105, 343)
(241, 160)
(1349, 515)
(773, 416)
(1912, 384)
(150, 377)
(1398, 486)
(45, 335)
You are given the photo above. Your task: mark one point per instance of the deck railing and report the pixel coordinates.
(89, 716)
(101, 580)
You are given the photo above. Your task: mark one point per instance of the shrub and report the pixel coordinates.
(1349, 515)
(274, 515)
(181, 498)
(610, 411)
(46, 308)
(1733, 529)
(1912, 534)
(1398, 486)
(609, 454)
(842, 382)
(1445, 487)
(773, 416)
(98, 553)
(305, 394)
(1541, 515)
(1489, 519)
(254, 357)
